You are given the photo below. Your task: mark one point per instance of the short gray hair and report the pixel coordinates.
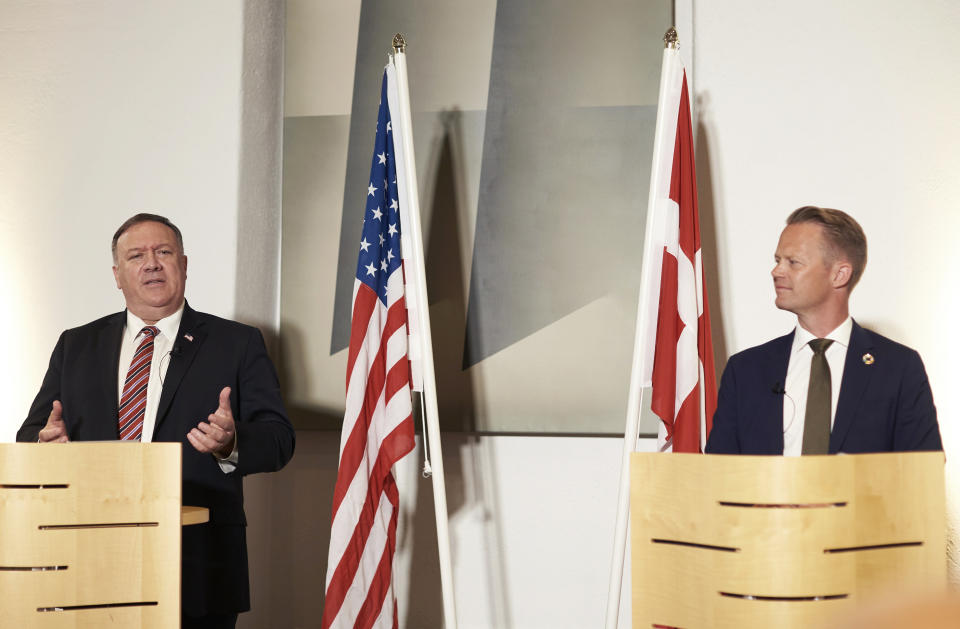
(144, 217)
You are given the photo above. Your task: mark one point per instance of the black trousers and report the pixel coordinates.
(224, 621)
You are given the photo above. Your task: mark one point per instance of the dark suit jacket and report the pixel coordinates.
(884, 406)
(83, 375)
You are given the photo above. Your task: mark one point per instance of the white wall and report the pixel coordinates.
(109, 108)
(849, 105)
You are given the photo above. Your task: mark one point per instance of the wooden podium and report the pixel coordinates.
(771, 541)
(90, 535)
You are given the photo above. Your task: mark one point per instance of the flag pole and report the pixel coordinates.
(418, 284)
(635, 397)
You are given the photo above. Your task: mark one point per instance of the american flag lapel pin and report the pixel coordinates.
(189, 337)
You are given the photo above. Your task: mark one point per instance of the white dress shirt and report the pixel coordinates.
(163, 344)
(162, 347)
(798, 381)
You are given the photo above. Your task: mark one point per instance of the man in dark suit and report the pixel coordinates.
(160, 371)
(829, 386)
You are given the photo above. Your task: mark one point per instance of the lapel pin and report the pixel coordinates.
(189, 337)
(868, 359)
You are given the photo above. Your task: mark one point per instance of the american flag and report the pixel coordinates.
(378, 421)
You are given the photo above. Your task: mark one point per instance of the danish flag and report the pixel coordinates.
(678, 347)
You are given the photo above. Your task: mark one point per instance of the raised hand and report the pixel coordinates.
(218, 434)
(55, 431)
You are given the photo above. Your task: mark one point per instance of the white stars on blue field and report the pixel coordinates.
(380, 241)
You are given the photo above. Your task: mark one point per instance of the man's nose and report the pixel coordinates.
(776, 271)
(152, 262)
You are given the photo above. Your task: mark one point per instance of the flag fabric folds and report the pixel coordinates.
(378, 422)
(673, 349)
(678, 347)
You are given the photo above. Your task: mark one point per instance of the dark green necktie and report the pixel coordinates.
(816, 422)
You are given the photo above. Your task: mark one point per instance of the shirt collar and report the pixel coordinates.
(840, 335)
(168, 326)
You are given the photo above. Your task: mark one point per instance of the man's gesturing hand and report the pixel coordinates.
(218, 433)
(55, 431)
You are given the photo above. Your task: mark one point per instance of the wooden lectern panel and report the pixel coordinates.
(757, 541)
(90, 535)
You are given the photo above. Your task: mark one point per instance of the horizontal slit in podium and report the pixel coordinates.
(851, 549)
(789, 599)
(31, 568)
(20, 486)
(69, 608)
(776, 505)
(107, 525)
(673, 542)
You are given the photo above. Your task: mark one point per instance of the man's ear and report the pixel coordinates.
(116, 278)
(842, 272)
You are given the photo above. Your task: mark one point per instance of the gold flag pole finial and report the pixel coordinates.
(670, 39)
(399, 43)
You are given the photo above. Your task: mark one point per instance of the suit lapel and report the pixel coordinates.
(190, 337)
(109, 338)
(856, 376)
(774, 400)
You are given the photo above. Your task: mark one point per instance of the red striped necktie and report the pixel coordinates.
(133, 402)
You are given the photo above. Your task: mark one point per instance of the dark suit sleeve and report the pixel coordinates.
(915, 426)
(43, 403)
(264, 433)
(723, 435)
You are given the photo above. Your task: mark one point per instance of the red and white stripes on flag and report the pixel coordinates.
(678, 349)
(378, 423)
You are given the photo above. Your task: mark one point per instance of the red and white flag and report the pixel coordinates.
(677, 358)
(378, 421)
(673, 350)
